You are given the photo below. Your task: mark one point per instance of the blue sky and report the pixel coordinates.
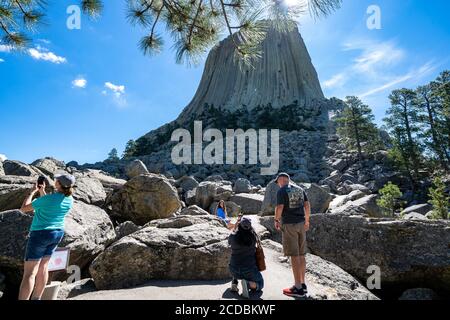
(78, 93)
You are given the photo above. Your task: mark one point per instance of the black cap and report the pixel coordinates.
(246, 224)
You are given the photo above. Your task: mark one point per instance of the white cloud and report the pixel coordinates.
(1, 60)
(414, 74)
(79, 83)
(40, 53)
(118, 92)
(117, 89)
(335, 81)
(5, 48)
(3, 157)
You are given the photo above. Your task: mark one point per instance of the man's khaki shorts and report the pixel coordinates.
(294, 239)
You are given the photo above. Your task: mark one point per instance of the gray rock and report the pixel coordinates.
(370, 206)
(420, 208)
(187, 183)
(419, 294)
(408, 252)
(196, 249)
(339, 164)
(190, 197)
(318, 197)
(270, 199)
(126, 228)
(145, 198)
(71, 290)
(88, 231)
(135, 168)
(90, 191)
(2, 284)
(208, 191)
(414, 216)
(2, 171)
(17, 168)
(14, 189)
(49, 166)
(109, 183)
(249, 203)
(242, 186)
(194, 211)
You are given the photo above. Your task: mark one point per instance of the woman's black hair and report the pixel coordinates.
(245, 237)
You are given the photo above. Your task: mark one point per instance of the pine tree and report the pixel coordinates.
(19, 16)
(389, 200)
(441, 92)
(402, 123)
(356, 125)
(195, 25)
(427, 107)
(130, 150)
(113, 155)
(439, 200)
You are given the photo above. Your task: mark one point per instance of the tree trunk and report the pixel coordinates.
(436, 144)
(411, 147)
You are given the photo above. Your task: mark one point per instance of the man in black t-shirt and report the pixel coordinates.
(292, 218)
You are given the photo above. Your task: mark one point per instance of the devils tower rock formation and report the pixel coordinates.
(282, 75)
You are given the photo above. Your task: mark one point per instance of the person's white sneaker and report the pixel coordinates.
(234, 287)
(245, 293)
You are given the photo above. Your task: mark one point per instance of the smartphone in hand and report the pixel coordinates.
(41, 181)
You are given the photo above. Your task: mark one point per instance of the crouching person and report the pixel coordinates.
(243, 259)
(47, 230)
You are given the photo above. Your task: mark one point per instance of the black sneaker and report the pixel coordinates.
(305, 288)
(294, 292)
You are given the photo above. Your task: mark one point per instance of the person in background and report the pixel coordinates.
(221, 213)
(292, 218)
(243, 258)
(47, 230)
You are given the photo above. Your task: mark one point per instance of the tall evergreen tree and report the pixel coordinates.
(356, 125)
(439, 200)
(130, 149)
(113, 155)
(402, 123)
(441, 92)
(430, 120)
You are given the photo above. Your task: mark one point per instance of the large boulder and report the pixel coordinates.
(250, 203)
(49, 166)
(364, 206)
(135, 168)
(179, 248)
(242, 186)
(126, 228)
(90, 191)
(209, 191)
(318, 197)
(194, 211)
(187, 183)
(2, 171)
(407, 252)
(88, 231)
(145, 198)
(109, 183)
(270, 199)
(419, 208)
(17, 168)
(14, 189)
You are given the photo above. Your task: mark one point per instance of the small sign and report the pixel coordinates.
(59, 260)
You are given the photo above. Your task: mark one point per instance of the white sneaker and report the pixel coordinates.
(234, 287)
(245, 293)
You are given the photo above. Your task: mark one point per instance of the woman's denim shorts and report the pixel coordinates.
(42, 244)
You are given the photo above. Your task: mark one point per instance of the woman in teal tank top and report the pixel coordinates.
(46, 232)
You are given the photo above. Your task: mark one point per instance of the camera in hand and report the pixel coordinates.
(41, 181)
